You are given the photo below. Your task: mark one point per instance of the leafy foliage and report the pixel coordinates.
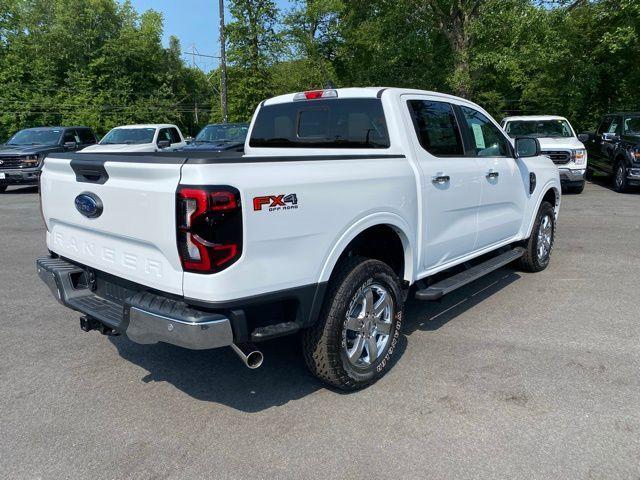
(90, 62)
(101, 63)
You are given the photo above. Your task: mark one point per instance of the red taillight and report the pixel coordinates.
(209, 227)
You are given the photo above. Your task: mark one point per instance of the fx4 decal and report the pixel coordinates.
(276, 202)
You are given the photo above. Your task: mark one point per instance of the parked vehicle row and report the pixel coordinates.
(22, 157)
(343, 204)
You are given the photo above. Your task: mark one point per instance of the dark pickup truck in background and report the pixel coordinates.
(614, 149)
(21, 158)
(220, 137)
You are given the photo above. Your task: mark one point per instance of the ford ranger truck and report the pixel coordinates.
(559, 142)
(344, 203)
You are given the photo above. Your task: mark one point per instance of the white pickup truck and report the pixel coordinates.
(559, 141)
(344, 203)
(139, 138)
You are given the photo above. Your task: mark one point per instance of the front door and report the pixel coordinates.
(450, 181)
(504, 185)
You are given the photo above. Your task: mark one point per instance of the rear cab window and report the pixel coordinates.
(322, 123)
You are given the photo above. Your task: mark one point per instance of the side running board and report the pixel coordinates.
(438, 290)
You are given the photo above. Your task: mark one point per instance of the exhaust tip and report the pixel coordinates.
(251, 357)
(254, 359)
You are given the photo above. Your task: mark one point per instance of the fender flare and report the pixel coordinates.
(550, 185)
(396, 222)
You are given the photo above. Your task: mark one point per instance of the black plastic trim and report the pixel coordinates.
(94, 162)
(88, 171)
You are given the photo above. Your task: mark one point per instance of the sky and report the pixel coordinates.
(194, 22)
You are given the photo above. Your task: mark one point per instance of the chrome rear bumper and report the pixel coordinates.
(145, 317)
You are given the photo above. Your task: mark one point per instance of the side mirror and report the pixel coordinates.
(585, 137)
(610, 137)
(163, 144)
(70, 145)
(527, 147)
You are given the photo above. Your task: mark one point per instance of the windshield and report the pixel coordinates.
(232, 133)
(36, 137)
(632, 125)
(539, 128)
(128, 136)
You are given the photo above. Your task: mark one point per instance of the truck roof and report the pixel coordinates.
(148, 125)
(371, 92)
(533, 118)
(56, 127)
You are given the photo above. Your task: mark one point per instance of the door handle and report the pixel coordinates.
(492, 174)
(440, 179)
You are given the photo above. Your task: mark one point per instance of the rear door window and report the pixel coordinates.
(436, 127)
(326, 123)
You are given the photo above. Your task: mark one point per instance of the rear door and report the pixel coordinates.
(134, 236)
(450, 181)
(503, 185)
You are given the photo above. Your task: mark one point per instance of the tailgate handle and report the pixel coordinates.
(89, 171)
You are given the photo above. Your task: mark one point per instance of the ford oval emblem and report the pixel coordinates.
(89, 205)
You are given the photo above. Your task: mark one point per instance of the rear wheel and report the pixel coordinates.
(351, 345)
(3, 188)
(539, 245)
(620, 182)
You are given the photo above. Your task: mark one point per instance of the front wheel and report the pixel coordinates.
(351, 345)
(539, 245)
(3, 188)
(620, 182)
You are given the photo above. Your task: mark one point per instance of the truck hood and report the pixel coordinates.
(145, 147)
(547, 143)
(14, 150)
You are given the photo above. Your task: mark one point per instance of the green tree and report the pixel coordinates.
(255, 45)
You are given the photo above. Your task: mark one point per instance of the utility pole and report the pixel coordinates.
(223, 64)
(195, 100)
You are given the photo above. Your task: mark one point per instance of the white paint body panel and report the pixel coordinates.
(337, 200)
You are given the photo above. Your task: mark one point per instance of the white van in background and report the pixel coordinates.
(140, 138)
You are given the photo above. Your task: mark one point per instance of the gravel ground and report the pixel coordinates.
(515, 376)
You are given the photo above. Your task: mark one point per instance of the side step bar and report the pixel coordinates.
(448, 285)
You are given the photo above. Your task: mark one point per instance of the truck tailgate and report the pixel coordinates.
(135, 235)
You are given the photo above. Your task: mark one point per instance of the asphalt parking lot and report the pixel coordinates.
(518, 375)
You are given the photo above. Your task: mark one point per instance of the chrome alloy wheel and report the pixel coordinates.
(545, 237)
(620, 174)
(367, 327)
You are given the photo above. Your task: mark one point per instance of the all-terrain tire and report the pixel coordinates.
(324, 344)
(532, 261)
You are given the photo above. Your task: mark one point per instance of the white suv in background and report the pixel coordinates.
(140, 138)
(558, 141)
